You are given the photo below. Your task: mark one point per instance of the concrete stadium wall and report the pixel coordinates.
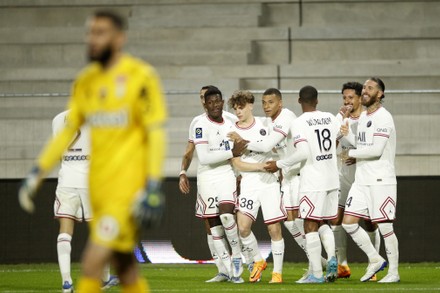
(32, 239)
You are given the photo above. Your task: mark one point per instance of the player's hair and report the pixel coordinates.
(212, 91)
(308, 94)
(117, 19)
(380, 85)
(273, 91)
(241, 98)
(353, 85)
(205, 87)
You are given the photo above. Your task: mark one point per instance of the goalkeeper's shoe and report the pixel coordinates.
(112, 281)
(220, 277)
(257, 271)
(67, 287)
(344, 271)
(149, 207)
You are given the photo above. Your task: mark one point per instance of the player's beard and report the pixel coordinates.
(103, 58)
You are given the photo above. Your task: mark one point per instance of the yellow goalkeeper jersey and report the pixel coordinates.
(124, 107)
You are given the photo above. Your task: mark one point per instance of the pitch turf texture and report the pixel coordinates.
(420, 277)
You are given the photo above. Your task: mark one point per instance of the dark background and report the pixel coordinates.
(32, 239)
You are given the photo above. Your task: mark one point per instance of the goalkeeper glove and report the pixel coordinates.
(149, 207)
(28, 190)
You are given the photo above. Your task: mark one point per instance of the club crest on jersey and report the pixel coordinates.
(369, 123)
(225, 144)
(199, 132)
(263, 132)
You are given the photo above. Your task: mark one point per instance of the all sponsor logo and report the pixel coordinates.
(76, 158)
(324, 157)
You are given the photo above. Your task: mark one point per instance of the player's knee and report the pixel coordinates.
(350, 228)
(385, 228)
(227, 219)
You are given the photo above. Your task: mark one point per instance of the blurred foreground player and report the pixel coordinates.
(72, 201)
(120, 98)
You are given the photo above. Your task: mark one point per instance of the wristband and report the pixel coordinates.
(183, 172)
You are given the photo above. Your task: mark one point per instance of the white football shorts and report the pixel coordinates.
(211, 193)
(318, 205)
(268, 198)
(290, 192)
(72, 203)
(374, 202)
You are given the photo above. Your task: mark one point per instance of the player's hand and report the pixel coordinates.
(150, 205)
(271, 166)
(346, 110)
(184, 184)
(28, 189)
(239, 147)
(350, 161)
(234, 136)
(345, 129)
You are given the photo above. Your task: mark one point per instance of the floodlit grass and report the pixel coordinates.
(191, 278)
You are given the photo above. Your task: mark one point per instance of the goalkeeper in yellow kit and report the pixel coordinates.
(120, 98)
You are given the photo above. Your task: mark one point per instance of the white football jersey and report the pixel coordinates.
(206, 131)
(74, 171)
(283, 124)
(260, 128)
(348, 172)
(378, 171)
(319, 130)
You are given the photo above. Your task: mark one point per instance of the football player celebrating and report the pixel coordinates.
(373, 194)
(258, 189)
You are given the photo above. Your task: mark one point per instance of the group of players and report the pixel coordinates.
(334, 171)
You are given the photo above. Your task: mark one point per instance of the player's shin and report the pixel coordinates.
(375, 238)
(391, 246)
(360, 237)
(220, 244)
(314, 250)
(340, 244)
(328, 240)
(63, 250)
(218, 263)
(250, 244)
(231, 232)
(295, 231)
(278, 255)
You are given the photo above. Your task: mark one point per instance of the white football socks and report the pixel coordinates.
(251, 246)
(231, 232)
(218, 263)
(360, 237)
(391, 246)
(313, 244)
(278, 255)
(375, 239)
(63, 250)
(106, 273)
(340, 244)
(293, 229)
(220, 244)
(328, 240)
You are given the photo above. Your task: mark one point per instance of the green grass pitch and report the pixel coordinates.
(420, 277)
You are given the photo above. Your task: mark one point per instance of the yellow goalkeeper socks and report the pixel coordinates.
(140, 286)
(89, 285)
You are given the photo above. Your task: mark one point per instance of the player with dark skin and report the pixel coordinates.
(214, 110)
